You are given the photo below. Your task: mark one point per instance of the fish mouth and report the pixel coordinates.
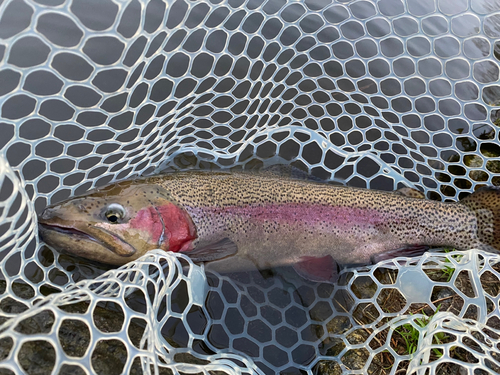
(68, 231)
(98, 236)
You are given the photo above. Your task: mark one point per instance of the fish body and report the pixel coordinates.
(232, 220)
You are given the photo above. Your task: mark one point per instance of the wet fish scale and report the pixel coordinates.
(235, 220)
(355, 221)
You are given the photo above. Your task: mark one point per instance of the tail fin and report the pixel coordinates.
(485, 202)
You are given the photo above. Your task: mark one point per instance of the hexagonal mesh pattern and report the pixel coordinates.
(377, 94)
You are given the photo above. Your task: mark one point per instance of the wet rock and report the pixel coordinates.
(5, 347)
(109, 357)
(327, 368)
(355, 359)
(39, 323)
(37, 357)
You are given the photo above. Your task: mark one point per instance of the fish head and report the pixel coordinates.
(118, 224)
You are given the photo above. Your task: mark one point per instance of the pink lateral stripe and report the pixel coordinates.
(308, 213)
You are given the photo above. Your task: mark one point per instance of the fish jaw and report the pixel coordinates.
(88, 242)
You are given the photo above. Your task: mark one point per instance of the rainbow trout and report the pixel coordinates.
(233, 219)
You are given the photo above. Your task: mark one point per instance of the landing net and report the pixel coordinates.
(377, 94)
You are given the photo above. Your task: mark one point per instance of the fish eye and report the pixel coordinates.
(114, 213)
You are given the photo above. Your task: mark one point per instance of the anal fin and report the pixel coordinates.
(320, 269)
(215, 251)
(408, 251)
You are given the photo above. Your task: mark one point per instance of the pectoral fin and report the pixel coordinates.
(320, 269)
(215, 251)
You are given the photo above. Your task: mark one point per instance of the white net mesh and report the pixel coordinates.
(378, 94)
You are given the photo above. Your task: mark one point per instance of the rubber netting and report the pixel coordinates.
(376, 94)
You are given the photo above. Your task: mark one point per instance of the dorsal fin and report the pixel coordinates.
(410, 193)
(289, 171)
